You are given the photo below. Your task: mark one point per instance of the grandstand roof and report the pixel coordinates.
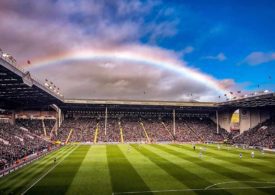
(19, 90)
(81, 104)
(140, 102)
(261, 100)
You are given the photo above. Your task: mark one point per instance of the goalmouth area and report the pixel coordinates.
(145, 169)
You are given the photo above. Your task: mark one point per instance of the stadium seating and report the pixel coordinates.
(36, 125)
(134, 129)
(27, 136)
(49, 124)
(261, 135)
(83, 130)
(16, 143)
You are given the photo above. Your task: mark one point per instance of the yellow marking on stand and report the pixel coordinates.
(145, 132)
(69, 136)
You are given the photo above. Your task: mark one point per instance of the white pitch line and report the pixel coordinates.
(33, 184)
(228, 182)
(196, 189)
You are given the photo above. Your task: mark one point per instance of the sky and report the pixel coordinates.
(144, 50)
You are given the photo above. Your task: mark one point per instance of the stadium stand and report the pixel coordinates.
(17, 143)
(187, 130)
(49, 124)
(40, 127)
(128, 120)
(83, 130)
(34, 126)
(156, 131)
(113, 132)
(133, 131)
(205, 129)
(101, 137)
(24, 138)
(262, 135)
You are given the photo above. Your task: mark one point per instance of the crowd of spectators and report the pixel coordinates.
(136, 129)
(113, 131)
(187, 129)
(17, 143)
(26, 136)
(36, 125)
(82, 130)
(157, 131)
(132, 130)
(33, 125)
(261, 135)
(49, 124)
(205, 129)
(183, 132)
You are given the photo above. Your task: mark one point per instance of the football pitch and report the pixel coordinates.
(145, 169)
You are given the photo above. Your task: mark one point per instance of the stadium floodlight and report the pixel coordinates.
(46, 84)
(266, 91)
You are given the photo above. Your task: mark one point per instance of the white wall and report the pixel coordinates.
(224, 119)
(250, 118)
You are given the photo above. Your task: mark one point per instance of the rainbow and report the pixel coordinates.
(130, 56)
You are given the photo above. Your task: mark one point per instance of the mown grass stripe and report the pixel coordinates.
(242, 164)
(255, 163)
(180, 173)
(234, 190)
(46, 173)
(233, 149)
(263, 161)
(20, 183)
(33, 173)
(124, 177)
(60, 178)
(230, 173)
(93, 176)
(214, 167)
(151, 174)
(34, 164)
(27, 175)
(203, 172)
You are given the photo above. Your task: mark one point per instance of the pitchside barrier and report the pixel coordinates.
(29, 160)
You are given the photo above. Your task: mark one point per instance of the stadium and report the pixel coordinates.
(54, 144)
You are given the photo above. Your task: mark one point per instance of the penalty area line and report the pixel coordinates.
(230, 182)
(34, 183)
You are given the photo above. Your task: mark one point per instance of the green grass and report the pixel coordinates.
(144, 169)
